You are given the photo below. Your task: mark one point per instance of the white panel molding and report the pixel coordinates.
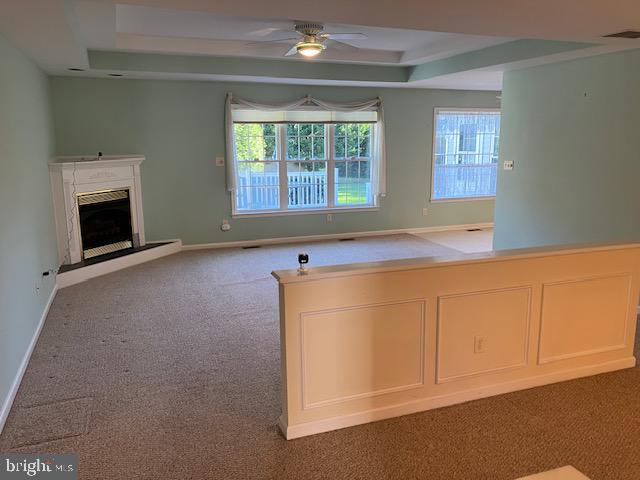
(398, 388)
(506, 368)
(556, 358)
(396, 410)
(8, 401)
(335, 236)
(496, 298)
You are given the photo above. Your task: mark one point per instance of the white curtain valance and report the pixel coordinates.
(311, 110)
(242, 115)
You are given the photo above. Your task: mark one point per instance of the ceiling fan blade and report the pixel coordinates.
(335, 44)
(292, 51)
(345, 36)
(279, 40)
(265, 31)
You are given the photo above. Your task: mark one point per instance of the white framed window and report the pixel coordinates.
(465, 153)
(288, 167)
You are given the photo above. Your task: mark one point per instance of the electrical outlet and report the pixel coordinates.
(479, 344)
(225, 227)
(425, 212)
(219, 161)
(329, 217)
(507, 165)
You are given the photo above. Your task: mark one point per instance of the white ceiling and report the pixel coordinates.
(58, 33)
(225, 35)
(577, 20)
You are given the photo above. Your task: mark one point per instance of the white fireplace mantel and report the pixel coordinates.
(73, 176)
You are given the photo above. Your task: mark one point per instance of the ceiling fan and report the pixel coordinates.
(311, 39)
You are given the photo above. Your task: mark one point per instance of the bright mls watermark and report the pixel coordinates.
(53, 467)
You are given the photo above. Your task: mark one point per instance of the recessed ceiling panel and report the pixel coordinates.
(411, 46)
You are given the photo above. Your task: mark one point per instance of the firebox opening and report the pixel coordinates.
(105, 222)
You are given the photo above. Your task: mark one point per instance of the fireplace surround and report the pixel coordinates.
(97, 204)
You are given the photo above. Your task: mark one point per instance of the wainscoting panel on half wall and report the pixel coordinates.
(499, 320)
(365, 342)
(338, 346)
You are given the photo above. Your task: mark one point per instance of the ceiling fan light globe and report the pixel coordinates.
(310, 49)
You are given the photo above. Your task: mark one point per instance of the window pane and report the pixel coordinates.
(352, 167)
(305, 148)
(353, 183)
(364, 145)
(352, 146)
(352, 140)
(258, 178)
(307, 184)
(305, 141)
(465, 159)
(258, 186)
(269, 129)
(255, 141)
(468, 137)
(365, 170)
(318, 148)
(340, 147)
(292, 147)
(305, 129)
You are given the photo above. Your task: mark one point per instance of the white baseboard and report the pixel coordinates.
(78, 275)
(335, 423)
(73, 277)
(8, 402)
(334, 236)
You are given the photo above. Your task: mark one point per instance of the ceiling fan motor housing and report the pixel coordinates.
(309, 29)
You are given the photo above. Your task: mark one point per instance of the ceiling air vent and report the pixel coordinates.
(625, 34)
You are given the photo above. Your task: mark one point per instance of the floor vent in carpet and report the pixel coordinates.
(249, 247)
(48, 422)
(346, 240)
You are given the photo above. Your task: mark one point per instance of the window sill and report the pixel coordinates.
(308, 211)
(465, 199)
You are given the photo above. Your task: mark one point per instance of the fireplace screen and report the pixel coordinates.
(105, 222)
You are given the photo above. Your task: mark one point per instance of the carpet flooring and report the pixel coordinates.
(170, 370)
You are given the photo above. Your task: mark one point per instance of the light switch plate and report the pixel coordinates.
(508, 165)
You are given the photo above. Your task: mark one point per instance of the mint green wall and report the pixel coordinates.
(237, 66)
(572, 130)
(388, 75)
(501, 54)
(179, 126)
(27, 232)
